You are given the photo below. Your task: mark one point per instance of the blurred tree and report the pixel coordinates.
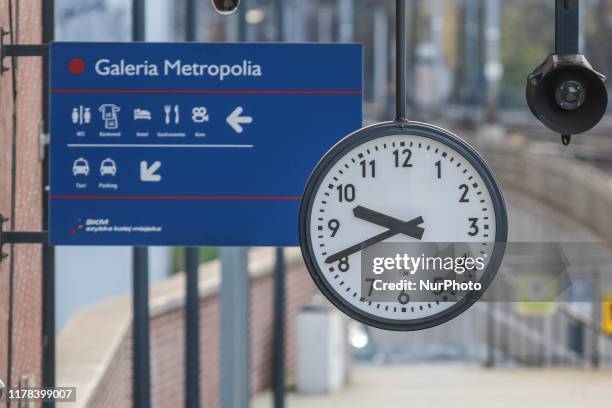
(207, 254)
(599, 32)
(528, 36)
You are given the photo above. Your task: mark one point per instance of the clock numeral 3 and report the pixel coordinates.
(474, 229)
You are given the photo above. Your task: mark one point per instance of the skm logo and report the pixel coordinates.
(97, 222)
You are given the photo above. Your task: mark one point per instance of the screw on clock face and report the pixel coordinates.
(395, 227)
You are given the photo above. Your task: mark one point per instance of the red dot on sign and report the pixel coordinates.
(72, 232)
(76, 66)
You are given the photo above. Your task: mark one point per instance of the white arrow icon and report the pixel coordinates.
(236, 121)
(147, 173)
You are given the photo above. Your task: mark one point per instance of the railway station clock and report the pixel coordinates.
(399, 182)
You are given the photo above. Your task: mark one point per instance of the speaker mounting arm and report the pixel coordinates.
(567, 27)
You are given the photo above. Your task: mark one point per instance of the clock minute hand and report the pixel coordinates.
(386, 221)
(412, 226)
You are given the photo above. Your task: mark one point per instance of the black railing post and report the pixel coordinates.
(48, 255)
(140, 357)
(192, 329)
(192, 263)
(140, 277)
(279, 330)
(279, 276)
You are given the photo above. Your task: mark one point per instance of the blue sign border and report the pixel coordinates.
(307, 97)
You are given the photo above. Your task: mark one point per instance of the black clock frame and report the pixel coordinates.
(413, 129)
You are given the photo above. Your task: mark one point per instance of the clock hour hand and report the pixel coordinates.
(389, 222)
(410, 228)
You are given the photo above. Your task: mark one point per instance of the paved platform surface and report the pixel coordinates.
(425, 386)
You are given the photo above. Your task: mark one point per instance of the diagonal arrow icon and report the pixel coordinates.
(147, 173)
(236, 120)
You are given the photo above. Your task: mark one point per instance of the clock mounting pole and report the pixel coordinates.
(400, 57)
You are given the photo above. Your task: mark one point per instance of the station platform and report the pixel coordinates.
(460, 386)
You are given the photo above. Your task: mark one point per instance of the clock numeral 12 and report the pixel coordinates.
(406, 162)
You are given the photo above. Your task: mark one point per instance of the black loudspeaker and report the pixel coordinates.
(567, 95)
(226, 6)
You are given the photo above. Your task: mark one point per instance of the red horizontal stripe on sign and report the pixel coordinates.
(178, 198)
(206, 91)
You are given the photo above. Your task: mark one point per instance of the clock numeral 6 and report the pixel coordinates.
(406, 156)
(437, 281)
(474, 229)
(346, 193)
(334, 226)
(343, 264)
(403, 298)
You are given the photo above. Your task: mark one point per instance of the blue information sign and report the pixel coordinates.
(193, 144)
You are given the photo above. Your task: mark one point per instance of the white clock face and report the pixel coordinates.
(397, 178)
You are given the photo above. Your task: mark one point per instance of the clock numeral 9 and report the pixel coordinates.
(466, 190)
(346, 193)
(343, 264)
(334, 226)
(406, 161)
(364, 168)
(474, 229)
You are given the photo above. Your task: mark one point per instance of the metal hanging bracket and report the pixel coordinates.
(18, 50)
(567, 36)
(19, 237)
(567, 27)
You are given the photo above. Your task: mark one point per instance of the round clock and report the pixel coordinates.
(399, 182)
